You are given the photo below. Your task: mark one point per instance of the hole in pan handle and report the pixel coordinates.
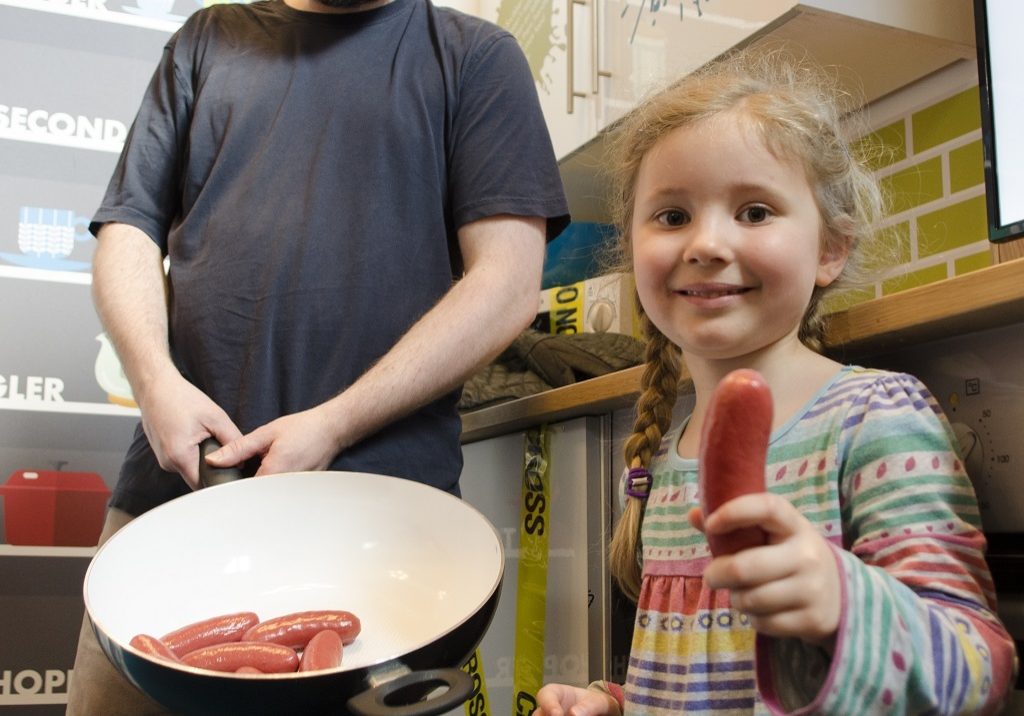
(210, 476)
(387, 699)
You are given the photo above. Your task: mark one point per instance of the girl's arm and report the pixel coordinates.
(918, 631)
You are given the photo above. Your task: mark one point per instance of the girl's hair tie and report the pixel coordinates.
(638, 483)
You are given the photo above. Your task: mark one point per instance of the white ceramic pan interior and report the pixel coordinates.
(410, 561)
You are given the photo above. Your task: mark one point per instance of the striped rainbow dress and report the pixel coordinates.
(870, 461)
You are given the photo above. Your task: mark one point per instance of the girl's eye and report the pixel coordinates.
(755, 214)
(673, 217)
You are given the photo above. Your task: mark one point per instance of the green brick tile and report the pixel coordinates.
(920, 277)
(980, 260)
(960, 224)
(841, 300)
(913, 186)
(946, 120)
(966, 166)
(882, 147)
(893, 245)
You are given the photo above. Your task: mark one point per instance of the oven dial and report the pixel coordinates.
(972, 449)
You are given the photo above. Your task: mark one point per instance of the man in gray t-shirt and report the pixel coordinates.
(354, 203)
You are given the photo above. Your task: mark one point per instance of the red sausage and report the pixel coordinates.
(247, 670)
(322, 652)
(215, 630)
(733, 452)
(296, 629)
(268, 658)
(154, 647)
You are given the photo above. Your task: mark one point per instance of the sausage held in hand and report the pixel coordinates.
(733, 452)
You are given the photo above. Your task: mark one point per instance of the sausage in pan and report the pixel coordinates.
(296, 629)
(215, 630)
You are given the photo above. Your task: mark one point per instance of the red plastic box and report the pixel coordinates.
(54, 508)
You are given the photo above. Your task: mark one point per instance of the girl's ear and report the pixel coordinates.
(831, 262)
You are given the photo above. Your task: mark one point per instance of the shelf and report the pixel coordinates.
(73, 407)
(37, 274)
(93, 10)
(870, 59)
(17, 550)
(976, 301)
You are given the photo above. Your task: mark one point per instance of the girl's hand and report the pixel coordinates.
(789, 587)
(562, 700)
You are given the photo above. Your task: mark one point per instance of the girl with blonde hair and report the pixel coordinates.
(741, 206)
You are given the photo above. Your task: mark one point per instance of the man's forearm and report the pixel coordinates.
(499, 291)
(129, 292)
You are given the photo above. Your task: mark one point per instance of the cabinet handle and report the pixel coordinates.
(595, 55)
(572, 94)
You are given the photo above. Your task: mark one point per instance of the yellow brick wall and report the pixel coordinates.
(930, 167)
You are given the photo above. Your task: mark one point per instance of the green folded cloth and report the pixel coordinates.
(565, 358)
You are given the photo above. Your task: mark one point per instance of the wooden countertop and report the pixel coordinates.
(976, 301)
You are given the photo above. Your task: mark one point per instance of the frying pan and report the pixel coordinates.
(420, 568)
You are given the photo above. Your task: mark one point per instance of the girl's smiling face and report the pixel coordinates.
(726, 240)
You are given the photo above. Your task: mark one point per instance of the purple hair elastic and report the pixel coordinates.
(638, 482)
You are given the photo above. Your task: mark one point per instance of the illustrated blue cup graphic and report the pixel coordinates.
(46, 238)
(50, 233)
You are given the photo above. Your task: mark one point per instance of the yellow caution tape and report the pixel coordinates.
(477, 704)
(531, 599)
(564, 308)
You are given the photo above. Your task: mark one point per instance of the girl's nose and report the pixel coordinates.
(707, 242)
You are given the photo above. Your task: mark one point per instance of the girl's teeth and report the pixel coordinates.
(712, 294)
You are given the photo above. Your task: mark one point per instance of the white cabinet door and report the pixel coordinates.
(645, 44)
(576, 519)
(554, 36)
(878, 46)
(593, 60)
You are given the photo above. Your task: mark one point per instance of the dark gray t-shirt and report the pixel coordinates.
(307, 173)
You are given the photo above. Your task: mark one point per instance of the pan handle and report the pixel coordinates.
(210, 476)
(374, 701)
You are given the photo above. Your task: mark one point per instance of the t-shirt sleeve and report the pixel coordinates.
(501, 158)
(918, 631)
(144, 189)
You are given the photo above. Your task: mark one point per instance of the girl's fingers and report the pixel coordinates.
(772, 513)
(792, 623)
(773, 597)
(803, 556)
(696, 518)
(811, 625)
(750, 567)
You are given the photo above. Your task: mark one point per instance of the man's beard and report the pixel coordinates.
(346, 4)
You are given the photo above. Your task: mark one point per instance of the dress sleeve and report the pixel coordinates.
(144, 189)
(918, 631)
(501, 158)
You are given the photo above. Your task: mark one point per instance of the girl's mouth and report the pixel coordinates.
(713, 292)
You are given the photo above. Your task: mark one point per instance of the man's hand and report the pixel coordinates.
(176, 417)
(294, 443)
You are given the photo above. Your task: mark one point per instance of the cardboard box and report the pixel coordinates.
(54, 508)
(598, 305)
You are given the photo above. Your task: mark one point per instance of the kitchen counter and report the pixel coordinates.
(976, 301)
